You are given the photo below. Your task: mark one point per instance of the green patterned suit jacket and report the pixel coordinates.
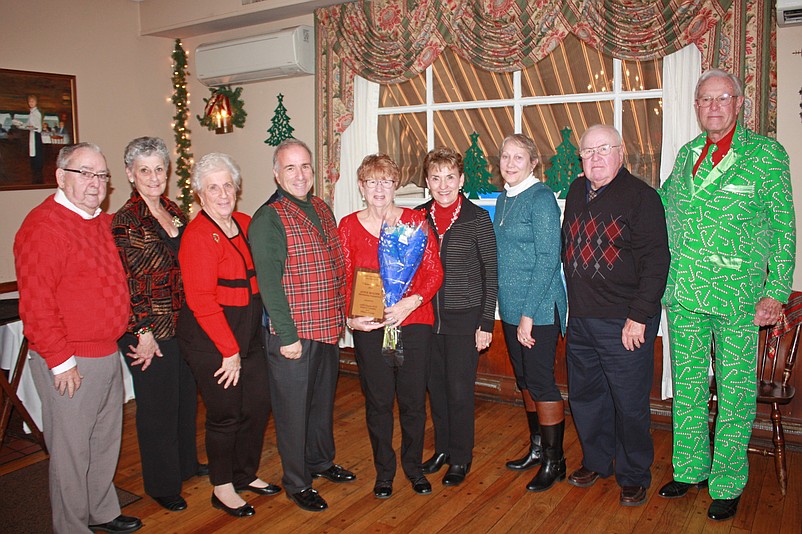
(731, 228)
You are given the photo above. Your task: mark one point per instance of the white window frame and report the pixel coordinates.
(518, 102)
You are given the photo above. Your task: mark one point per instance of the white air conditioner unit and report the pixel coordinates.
(789, 12)
(282, 54)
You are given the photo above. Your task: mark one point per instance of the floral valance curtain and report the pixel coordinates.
(390, 41)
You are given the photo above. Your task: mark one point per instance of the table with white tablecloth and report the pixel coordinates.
(10, 341)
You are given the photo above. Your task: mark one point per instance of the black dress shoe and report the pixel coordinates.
(336, 473)
(308, 500)
(456, 474)
(203, 470)
(723, 509)
(246, 510)
(676, 489)
(433, 464)
(383, 489)
(174, 503)
(270, 489)
(421, 486)
(583, 477)
(632, 495)
(120, 524)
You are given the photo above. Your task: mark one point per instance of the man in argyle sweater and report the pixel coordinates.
(732, 236)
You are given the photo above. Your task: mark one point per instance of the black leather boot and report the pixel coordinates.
(532, 458)
(553, 467)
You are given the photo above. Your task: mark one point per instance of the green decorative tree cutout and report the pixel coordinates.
(477, 177)
(565, 166)
(280, 129)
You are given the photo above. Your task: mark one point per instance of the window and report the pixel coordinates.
(574, 87)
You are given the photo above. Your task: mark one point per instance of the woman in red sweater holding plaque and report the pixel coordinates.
(382, 379)
(221, 334)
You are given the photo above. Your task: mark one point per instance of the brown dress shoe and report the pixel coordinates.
(633, 495)
(583, 477)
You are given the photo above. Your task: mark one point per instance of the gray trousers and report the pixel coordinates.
(83, 436)
(302, 394)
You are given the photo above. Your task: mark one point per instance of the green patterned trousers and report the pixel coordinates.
(736, 360)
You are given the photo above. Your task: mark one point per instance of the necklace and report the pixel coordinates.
(504, 209)
(450, 224)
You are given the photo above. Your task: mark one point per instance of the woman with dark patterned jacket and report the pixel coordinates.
(147, 231)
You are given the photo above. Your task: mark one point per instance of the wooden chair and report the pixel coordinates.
(778, 348)
(9, 312)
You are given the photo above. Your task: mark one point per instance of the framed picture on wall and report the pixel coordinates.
(38, 116)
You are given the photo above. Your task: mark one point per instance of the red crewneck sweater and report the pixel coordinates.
(73, 293)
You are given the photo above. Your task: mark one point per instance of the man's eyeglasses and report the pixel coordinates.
(88, 175)
(602, 150)
(707, 101)
(370, 184)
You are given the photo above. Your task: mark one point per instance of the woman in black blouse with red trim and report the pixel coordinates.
(147, 231)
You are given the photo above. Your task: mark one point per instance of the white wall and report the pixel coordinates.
(789, 121)
(123, 90)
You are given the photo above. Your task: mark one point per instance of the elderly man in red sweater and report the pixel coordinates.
(74, 304)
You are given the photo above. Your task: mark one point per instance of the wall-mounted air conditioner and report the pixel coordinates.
(789, 12)
(282, 54)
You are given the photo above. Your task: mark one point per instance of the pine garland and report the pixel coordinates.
(183, 144)
(238, 113)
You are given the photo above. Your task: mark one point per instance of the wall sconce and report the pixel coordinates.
(218, 108)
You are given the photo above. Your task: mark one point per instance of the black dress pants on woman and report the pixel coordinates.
(382, 383)
(166, 405)
(452, 380)
(235, 417)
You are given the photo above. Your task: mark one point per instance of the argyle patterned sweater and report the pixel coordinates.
(615, 250)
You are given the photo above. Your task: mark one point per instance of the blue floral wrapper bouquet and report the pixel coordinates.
(401, 248)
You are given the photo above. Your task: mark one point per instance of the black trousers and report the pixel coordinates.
(382, 384)
(166, 406)
(302, 393)
(235, 417)
(534, 368)
(452, 378)
(608, 388)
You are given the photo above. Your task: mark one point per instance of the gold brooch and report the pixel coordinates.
(216, 238)
(177, 221)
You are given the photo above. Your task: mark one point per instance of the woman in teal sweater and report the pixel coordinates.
(532, 303)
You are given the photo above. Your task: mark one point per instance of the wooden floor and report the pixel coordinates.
(493, 499)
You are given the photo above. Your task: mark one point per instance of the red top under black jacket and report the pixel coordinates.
(362, 250)
(73, 297)
(218, 272)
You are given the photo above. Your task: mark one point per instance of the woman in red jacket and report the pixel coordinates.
(221, 335)
(383, 381)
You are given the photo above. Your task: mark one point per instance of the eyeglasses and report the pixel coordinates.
(88, 175)
(707, 101)
(370, 184)
(602, 150)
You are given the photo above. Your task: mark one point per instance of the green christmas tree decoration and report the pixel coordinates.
(565, 166)
(183, 144)
(238, 113)
(477, 177)
(281, 128)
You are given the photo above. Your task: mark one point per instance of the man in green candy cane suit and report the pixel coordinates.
(732, 236)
